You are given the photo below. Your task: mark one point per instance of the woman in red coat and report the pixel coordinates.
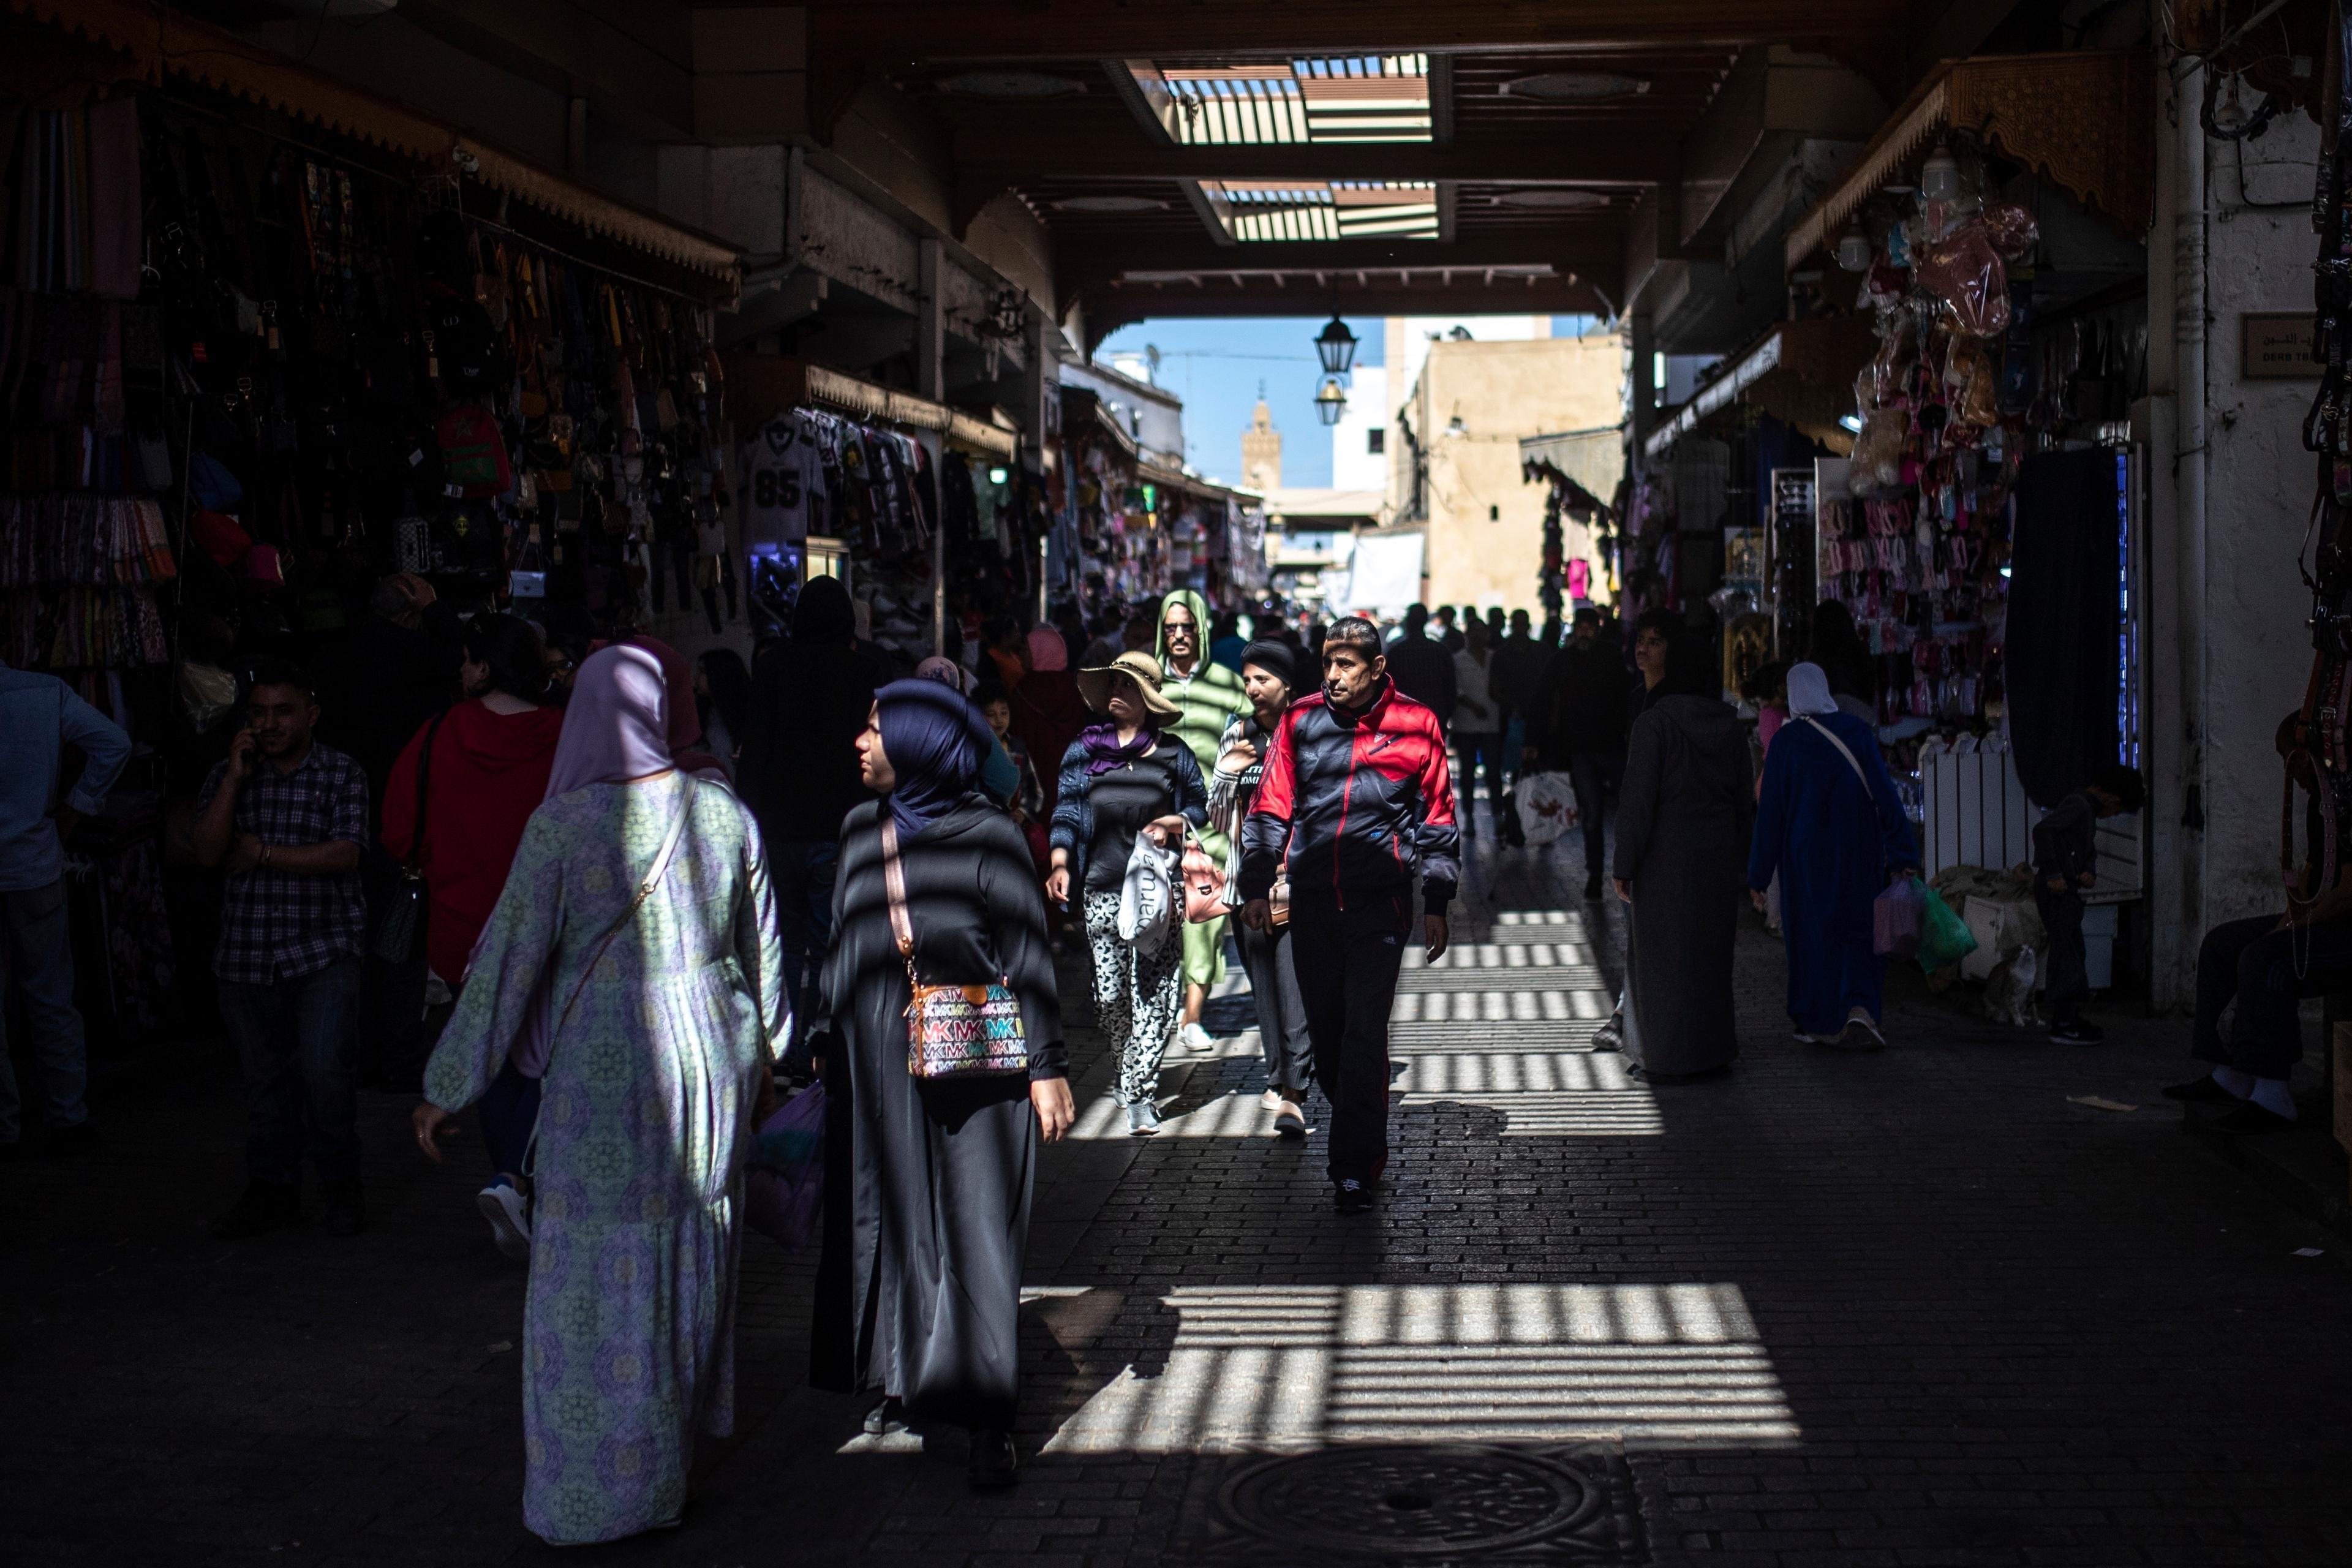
(480, 769)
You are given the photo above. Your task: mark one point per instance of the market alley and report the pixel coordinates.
(1916, 1307)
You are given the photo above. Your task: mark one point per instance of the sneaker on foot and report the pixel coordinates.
(1196, 1038)
(1861, 1033)
(509, 1212)
(2205, 1089)
(1351, 1197)
(1142, 1118)
(1291, 1120)
(343, 1213)
(2083, 1032)
(1610, 1036)
(886, 1419)
(265, 1206)
(1271, 1099)
(994, 1461)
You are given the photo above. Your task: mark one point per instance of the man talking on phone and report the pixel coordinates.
(1357, 798)
(285, 816)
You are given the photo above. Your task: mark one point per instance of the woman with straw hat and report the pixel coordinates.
(1121, 778)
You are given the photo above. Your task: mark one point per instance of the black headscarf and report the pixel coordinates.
(824, 614)
(935, 742)
(1274, 657)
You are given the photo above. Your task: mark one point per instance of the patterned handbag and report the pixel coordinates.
(952, 1031)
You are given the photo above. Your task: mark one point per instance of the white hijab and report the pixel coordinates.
(1809, 691)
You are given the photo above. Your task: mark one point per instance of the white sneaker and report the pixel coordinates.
(1270, 1100)
(509, 1213)
(1196, 1038)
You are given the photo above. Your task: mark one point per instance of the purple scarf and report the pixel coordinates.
(1104, 752)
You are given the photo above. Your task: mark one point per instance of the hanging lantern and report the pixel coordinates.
(1336, 346)
(1331, 399)
(1939, 176)
(1853, 249)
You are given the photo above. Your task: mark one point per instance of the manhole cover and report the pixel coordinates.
(1428, 1505)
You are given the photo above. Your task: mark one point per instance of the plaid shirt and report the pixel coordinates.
(276, 925)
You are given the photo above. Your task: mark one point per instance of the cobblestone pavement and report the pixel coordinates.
(1913, 1309)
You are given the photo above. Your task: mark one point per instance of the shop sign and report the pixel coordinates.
(2275, 345)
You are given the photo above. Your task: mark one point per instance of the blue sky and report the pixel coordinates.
(1215, 366)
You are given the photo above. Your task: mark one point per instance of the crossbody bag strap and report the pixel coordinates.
(652, 879)
(1830, 736)
(893, 879)
(423, 785)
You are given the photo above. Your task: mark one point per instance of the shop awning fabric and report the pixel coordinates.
(1802, 373)
(162, 41)
(1082, 409)
(1588, 462)
(2083, 118)
(761, 386)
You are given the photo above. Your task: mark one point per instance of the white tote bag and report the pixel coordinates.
(1547, 807)
(1147, 894)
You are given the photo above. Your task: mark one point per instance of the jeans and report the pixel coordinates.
(294, 1043)
(2067, 984)
(1347, 960)
(510, 1112)
(34, 950)
(1267, 958)
(1480, 752)
(2268, 971)
(1594, 776)
(803, 871)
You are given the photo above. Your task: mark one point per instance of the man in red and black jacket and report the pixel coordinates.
(1355, 801)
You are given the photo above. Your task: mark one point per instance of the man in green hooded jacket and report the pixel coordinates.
(1210, 697)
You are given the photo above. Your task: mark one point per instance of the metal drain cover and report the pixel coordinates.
(1429, 1505)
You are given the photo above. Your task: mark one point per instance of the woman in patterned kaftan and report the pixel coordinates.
(653, 1075)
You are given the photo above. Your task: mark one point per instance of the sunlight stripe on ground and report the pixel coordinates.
(1285, 1367)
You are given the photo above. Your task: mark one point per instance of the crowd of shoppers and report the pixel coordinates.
(665, 891)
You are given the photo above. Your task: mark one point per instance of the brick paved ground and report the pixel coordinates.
(1913, 1309)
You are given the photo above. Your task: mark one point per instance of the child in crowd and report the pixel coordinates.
(995, 705)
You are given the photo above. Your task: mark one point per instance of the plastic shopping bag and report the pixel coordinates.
(1947, 939)
(1546, 804)
(1147, 894)
(783, 1189)
(1898, 919)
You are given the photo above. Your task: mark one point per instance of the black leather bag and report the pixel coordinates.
(402, 930)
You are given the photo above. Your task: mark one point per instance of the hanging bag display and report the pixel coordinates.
(402, 927)
(952, 1031)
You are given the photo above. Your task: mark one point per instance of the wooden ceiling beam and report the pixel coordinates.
(1601, 158)
(1090, 29)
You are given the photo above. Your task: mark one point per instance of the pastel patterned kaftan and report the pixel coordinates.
(646, 1118)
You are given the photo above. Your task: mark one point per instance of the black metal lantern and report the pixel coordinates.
(1331, 398)
(1336, 346)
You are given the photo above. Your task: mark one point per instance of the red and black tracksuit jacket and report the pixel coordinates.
(1357, 801)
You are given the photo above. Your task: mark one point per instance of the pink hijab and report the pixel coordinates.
(617, 724)
(1047, 650)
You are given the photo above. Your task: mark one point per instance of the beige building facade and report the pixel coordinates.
(1455, 461)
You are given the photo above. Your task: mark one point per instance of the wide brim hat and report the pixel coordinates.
(1095, 685)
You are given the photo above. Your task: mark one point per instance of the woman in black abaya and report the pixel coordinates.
(1687, 807)
(938, 1172)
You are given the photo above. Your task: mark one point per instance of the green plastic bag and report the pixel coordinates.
(1948, 940)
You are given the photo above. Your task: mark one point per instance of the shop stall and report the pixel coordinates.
(265, 340)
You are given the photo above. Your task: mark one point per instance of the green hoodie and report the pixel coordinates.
(1211, 697)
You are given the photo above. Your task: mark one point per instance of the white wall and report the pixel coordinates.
(2257, 651)
(1354, 465)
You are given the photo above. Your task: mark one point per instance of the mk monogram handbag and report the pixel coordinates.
(952, 1031)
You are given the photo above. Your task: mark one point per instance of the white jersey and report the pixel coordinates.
(783, 482)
